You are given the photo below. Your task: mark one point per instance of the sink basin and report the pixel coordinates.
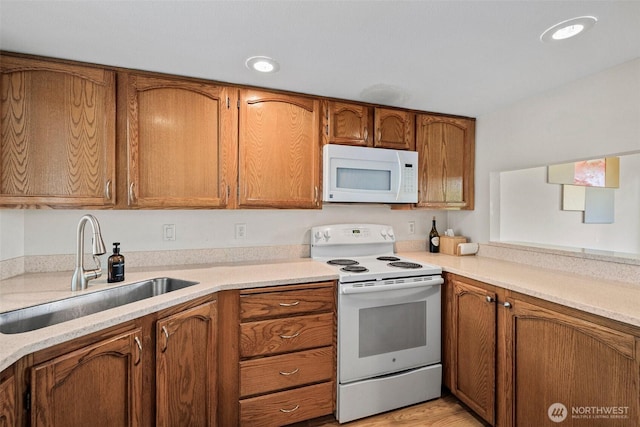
(39, 316)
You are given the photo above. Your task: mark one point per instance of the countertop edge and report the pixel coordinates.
(15, 346)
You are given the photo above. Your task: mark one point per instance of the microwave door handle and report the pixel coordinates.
(399, 176)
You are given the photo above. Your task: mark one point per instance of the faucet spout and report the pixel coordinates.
(81, 277)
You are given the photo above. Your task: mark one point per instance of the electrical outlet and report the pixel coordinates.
(412, 227)
(169, 232)
(241, 231)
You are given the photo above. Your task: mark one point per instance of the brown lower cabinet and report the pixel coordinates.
(268, 360)
(186, 362)
(519, 361)
(102, 381)
(153, 371)
(279, 367)
(8, 408)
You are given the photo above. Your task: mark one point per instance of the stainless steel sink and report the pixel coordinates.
(39, 316)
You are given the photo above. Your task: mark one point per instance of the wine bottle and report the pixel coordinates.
(434, 238)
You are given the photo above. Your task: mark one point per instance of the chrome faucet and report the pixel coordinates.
(81, 277)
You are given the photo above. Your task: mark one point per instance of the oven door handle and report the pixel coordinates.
(345, 290)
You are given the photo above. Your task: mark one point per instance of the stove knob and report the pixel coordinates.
(318, 235)
(383, 233)
(390, 233)
(326, 235)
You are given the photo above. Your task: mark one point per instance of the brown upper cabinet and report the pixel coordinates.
(394, 129)
(348, 123)
(279, 150)
(446, 150)
(58, 134)
(71, 137)
(179, 137)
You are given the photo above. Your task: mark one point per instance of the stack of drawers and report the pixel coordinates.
(287, 354)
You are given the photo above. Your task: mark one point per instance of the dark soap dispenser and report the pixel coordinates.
(116, 265)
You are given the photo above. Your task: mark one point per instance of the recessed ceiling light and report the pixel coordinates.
(569, 28)
(263, 64)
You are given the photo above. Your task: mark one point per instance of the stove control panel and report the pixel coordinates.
(348, 234)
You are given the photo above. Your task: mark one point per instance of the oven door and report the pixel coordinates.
(381, 332)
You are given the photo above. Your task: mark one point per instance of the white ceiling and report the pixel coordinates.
(455, 57)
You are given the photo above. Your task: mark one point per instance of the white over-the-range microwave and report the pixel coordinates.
(370, 175)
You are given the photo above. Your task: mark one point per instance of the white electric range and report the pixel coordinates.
(388, 320)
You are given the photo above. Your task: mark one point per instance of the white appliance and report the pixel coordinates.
(374, 175)
(388, 320)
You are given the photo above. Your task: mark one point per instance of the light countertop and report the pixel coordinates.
(614, 300)
(607, 298)
(32, 289)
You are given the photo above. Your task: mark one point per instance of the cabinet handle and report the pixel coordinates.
(379, 135)
(139, 344)
(286, 374)
(315, 194)
(166, 338)
(286, 411)
(327, 130)
(132, 193)
(288, 337)
(366, 135)
(489, 299)
(289, 304)
(107, 190)
(507, 304)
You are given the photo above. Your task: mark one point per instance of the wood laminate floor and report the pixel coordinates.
(446, 411)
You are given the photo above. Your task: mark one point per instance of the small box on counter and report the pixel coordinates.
(449, 244)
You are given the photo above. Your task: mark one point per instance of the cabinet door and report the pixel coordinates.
(473, 352)
(446, 150)
(279, 144)
(347, 124)
(564, 366)
(8, 402)
(186, 368)
(101, 382)
(180, 142)
(58, 134)
(394, 129)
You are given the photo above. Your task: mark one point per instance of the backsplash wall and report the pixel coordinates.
(32, 233)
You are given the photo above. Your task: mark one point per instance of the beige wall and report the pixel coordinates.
(588, 118)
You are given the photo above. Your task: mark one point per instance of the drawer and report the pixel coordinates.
(273, 373)
(286, 303)
(286, 407)
(284, 335)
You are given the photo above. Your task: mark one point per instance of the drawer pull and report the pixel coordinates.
(288, 337)
(286, 411)
(292, 304)
(286, 374)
